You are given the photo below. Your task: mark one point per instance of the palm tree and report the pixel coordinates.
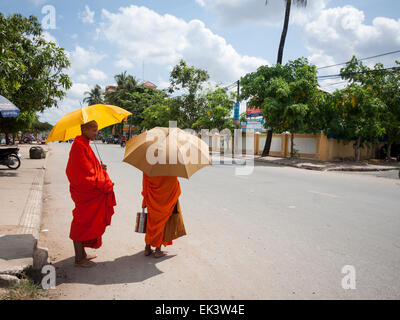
(94, 96)
(302, 3)
(126, 86)
(120, 78)
(125, 81)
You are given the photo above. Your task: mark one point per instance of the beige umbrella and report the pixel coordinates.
(167, 152)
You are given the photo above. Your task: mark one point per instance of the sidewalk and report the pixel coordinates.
(20, 212)
(311, 164)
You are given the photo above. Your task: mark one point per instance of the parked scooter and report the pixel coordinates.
(10, 157)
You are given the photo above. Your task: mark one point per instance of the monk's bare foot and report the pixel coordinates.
(85, 264)
(159, 254)
(90, 257)
(148, 251)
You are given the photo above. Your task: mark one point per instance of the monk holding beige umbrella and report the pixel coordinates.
(163, 154)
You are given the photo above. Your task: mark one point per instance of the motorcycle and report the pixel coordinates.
(10, 157)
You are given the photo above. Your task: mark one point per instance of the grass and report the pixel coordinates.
(27, 289)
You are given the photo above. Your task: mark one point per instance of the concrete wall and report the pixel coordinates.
(314, 146)
(337, 150)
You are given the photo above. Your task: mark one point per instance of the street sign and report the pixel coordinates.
(256, 125)
(253, 112)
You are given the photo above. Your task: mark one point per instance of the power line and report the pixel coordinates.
(232, 85)
(333, 84)
(377, 56)
(353, 73)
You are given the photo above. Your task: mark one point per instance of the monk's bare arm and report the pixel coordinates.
(144, 191)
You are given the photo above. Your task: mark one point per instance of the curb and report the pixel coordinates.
(32, 214)
(321, 168)
(362, 169)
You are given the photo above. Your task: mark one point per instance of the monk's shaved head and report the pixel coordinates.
(89, 124)
(89, 130)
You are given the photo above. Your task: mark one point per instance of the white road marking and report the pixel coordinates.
(323, 194)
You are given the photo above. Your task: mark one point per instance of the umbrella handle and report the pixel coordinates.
(101, 161)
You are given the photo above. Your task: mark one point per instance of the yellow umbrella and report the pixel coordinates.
(167, 152)
(69, 126)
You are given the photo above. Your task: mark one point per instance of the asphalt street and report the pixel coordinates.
(278, 233)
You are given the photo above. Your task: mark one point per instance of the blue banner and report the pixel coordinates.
(236, 111)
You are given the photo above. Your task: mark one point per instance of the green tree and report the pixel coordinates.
(357, 116)
(287, 94)
(188, 81)
(94, 96)
(217, 111)
(157, 115)
(135, 98)
(39, 126)
(243, 117)
(383, 84)
(31, 70)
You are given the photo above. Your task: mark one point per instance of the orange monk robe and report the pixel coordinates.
(92, 191)
(160, 195)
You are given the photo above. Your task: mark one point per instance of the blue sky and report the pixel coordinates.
(227, 37)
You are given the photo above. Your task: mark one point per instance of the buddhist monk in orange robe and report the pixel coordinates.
(92, 192)
(160, 195)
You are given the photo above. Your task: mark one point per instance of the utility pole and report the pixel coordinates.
(130, 128)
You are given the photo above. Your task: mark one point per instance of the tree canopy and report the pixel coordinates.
(31, 70)
(185, 101)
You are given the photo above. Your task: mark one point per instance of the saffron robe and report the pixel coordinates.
(92, 192)
(160, 195)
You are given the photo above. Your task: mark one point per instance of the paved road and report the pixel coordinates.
(280, 233)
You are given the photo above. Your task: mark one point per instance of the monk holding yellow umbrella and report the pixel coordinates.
(90, 186)
(163, 154)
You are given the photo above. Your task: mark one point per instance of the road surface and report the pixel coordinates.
(279, 233)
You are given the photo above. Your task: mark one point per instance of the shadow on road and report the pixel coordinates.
(127, 269)
(240, 163)
(8, 173)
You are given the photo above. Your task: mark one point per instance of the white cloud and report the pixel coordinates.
(78, 89)
(70, 103)
(81, 71)
(123, 64)
(86, 16)
(339, 33)
(162, 84)
(96, 75)
(234, 12)
(38, 2)
(143, 35)
(82, 59)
